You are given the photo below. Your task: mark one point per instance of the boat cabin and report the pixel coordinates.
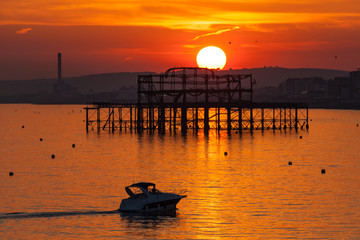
(141, 189)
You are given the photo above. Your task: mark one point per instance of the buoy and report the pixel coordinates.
(300, 137)
(22, 126)
(225, 153)
(41, 139)
(290, 162)
(357, 124)
(323, 171)
(53, 156)
(73, 145)
(11, 174)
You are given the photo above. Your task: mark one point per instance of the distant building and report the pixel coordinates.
(314, 87)
(340, 88)
(355, 83)
(346, 88)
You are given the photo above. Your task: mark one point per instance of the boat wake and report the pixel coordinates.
(16, 215)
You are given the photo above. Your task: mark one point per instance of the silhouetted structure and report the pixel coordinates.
(304, 87)
(63, 90)
(195, 98)
(316, 88)
(59, 67)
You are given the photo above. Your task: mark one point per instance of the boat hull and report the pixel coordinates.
(161, 202)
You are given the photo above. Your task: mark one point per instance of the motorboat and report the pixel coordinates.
(145, 197)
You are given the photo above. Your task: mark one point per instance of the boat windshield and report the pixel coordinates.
(141, 189)
(135, 191)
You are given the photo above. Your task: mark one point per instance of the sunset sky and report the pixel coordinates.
(117, 36)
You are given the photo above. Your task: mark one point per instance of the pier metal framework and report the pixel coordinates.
(183, 99)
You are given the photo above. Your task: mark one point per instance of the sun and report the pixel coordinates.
(211, 57)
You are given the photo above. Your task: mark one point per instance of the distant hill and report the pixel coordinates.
(272, 76)
(105, 82)
(111, 82)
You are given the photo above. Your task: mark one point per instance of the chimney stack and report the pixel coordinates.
(59, 67)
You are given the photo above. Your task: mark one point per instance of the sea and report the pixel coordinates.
(252, 192)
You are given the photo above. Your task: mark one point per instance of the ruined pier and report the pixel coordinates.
(184, 99)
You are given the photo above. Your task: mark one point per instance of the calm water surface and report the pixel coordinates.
(252, 193)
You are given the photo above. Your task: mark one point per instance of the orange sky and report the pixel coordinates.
(114, 36)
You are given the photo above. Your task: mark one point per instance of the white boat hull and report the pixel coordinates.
(153, 203)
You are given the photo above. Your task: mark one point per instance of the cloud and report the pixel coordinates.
(215, 33)
(127, 59)
(184, 14)
(23, 31)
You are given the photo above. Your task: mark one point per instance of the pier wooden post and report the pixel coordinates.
(296, 118)
(183, 120)
(240, 119)
(174, 119)
(307, 118)
(113, 120)
(228, 119)
(196, 119)
(274, 116)
(218, 119)
(251, 119)
(131, 119)
(140, 120)
(120, 118)
(161, 120)
(87, 120)
(170, 119)
(206, 119)
(98, 118)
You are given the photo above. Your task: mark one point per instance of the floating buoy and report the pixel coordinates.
(41, 139)
(53, 156)
(357, 124)
(290, 162)
(323, 171)
(11, 174)
(22, 126)
(225, 153)
(300, 137)
(73, 145)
